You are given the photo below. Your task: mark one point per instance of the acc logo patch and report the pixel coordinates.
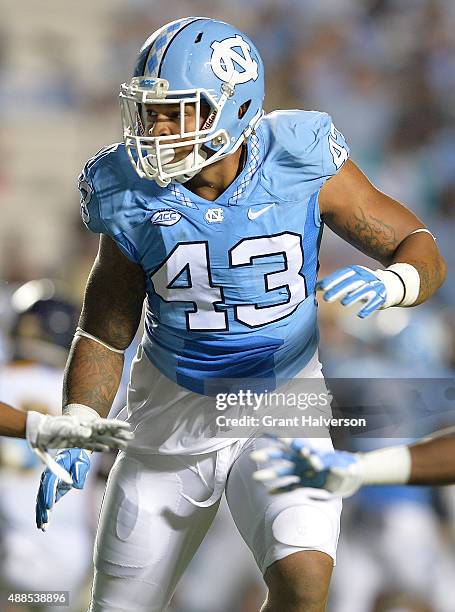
(214, 215)
(231, 65)
(166, 217)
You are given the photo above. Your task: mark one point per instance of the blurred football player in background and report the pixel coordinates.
(43, 326)
(213, 212)
(38, 335)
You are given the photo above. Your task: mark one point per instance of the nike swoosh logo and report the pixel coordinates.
(254, 215)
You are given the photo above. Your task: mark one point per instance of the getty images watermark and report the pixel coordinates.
(360, 407)
(272, 409)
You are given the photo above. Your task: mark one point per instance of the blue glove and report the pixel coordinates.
(292, 463)
(355, 284)
(77, 463)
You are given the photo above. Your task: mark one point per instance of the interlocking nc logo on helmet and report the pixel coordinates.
(225, 61)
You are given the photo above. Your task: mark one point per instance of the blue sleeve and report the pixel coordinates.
(90, 207)
(324, 149)
(104, 200)
(306, 149)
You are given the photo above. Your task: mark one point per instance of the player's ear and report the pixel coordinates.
(242, 110)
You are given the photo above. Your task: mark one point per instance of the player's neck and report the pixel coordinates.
(213, 180)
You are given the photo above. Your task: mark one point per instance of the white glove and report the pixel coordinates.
(44, 432)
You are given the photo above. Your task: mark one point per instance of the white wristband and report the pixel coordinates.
(80, 410)
(402, 284)
(385, 466)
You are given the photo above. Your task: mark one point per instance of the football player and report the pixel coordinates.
(41, 335)
(213, 212)
(295, 463)
(42, 327)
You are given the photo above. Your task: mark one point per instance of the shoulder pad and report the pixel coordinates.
(305, 144)
(111, 201)
(92, 180)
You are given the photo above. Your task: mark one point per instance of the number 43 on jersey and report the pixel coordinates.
(206, 297)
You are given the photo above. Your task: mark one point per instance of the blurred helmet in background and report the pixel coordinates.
(44, 323)
(199, 61)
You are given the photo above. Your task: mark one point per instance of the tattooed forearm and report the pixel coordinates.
(432, 275)
(92, 376)
(420, 250)
(371, 235)
(394, 243)
(380, 226)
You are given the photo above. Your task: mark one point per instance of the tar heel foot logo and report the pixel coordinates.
(226, 61)
(165, 217)
(214, 215)
(252, 215)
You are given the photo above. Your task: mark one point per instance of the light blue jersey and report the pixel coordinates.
(230, 282)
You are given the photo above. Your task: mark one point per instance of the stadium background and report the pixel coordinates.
(385, 71)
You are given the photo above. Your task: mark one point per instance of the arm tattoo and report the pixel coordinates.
(431, 274)
(113, 305)
(371, 235)
(111, 312)
(92, 376)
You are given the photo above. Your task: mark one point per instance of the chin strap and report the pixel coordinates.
(169, 167)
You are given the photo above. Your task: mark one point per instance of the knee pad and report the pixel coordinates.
(305, 526)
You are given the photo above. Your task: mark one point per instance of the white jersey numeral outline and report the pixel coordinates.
(192, 258)
(339, 153)
(206, 297)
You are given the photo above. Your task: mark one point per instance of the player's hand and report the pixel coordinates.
(292, 463)
(76, 463)
(354, 284)
(45, 432)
